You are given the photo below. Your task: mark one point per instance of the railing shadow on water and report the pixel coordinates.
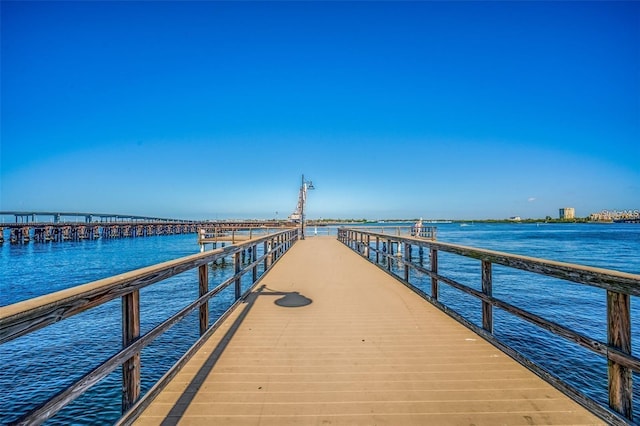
(37, 316)
(466, 283)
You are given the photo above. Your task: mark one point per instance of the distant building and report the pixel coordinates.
(515, 218)
(615, 215)
(567, 213)
(603, 216)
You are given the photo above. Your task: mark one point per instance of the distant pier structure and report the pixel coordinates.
(75, 226)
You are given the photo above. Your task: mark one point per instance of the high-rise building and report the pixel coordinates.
(567, 213)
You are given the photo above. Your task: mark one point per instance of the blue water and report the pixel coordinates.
(36, 366)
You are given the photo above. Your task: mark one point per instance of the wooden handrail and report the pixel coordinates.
(25, 317)
(619, 287)
(598, 277)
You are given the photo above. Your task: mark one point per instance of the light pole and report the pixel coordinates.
(306, 185)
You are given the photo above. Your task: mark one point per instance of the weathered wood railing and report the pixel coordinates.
(25, 317)
(232, 234)
(386, 250)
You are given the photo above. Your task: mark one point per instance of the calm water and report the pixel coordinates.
(36, 366)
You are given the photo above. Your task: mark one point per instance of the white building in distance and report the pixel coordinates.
(567, 213)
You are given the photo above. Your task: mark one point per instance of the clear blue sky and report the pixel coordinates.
(456, 110)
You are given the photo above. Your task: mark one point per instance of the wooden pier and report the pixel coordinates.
(327, 338)
(332, 331)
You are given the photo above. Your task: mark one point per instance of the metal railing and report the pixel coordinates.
(26, 317)
(393, 254)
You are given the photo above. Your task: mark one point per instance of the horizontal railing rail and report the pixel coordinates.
(26, 317)
(215, 234)
(428, 232)
(385, 250)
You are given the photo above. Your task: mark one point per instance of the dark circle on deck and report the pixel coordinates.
(293, 300)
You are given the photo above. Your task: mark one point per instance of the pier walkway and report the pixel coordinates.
(328, 338)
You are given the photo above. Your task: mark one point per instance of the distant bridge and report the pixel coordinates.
(29, 226)
(31, 216)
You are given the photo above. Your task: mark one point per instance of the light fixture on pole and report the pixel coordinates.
(304, 187)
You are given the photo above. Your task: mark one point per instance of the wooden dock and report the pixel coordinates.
(328, 338)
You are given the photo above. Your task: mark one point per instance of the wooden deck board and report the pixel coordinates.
(365, 351)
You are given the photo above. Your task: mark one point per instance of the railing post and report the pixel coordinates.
(368, 246)
(130, 332)
(278, 247)
(274, 249)
(254, 256)
(377, 250)
(203, 278)
(389, 254)
(272, 252)
(266, 255)
(434, 269)
(236, 262)
(407, 258)
(487, 308)
(619, 337)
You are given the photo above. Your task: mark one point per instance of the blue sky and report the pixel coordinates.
(462, 110)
